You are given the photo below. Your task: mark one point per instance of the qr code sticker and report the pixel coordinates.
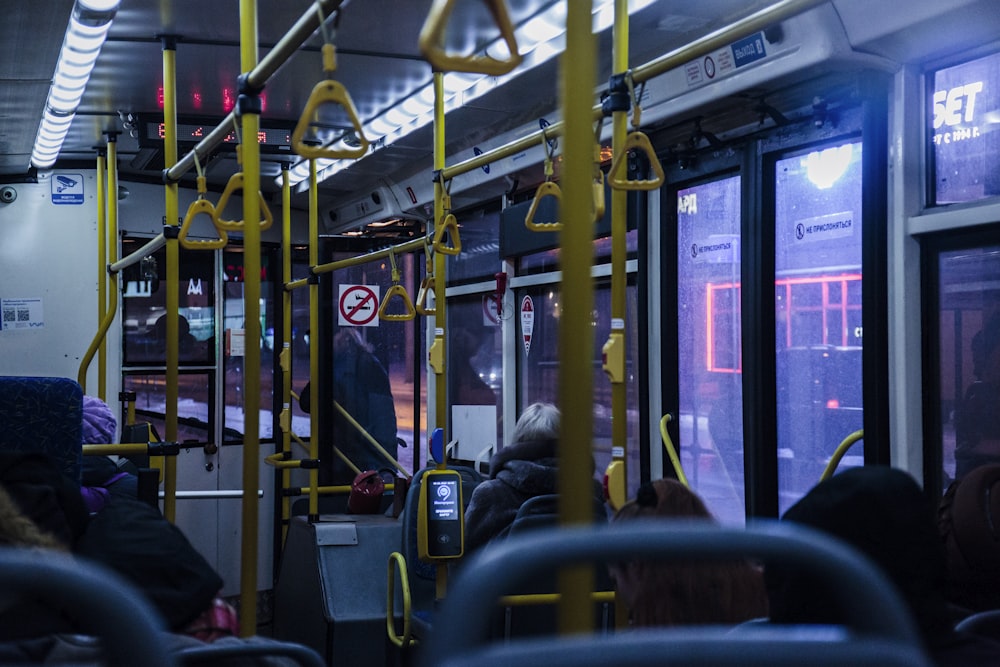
(8, 314)
(23, 315)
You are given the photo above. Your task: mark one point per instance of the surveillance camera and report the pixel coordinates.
(7, 194)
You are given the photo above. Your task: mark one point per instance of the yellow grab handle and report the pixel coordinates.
(236, 183)
(546, 189)
(202, 206)
(842, 448)
(396, 560)
(668, 444)
(449, 225)
(618, 175)
(598, 196)
(426, 289)
(432, 37)
(328, 92)
(383, 310)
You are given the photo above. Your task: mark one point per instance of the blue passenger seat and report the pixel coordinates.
(43, 414)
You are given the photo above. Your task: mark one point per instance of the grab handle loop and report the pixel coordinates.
(432, 37)
(236, 183)
(333, 93)
(202, 206)
(618, 175)
(546, 189)
(427, 285)
(198, 207)
(423, 293)
(396, 291)
(598, 187)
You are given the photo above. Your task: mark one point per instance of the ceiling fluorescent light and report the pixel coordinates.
(85, 35)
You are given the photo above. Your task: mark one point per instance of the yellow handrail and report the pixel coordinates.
(668, 444)
(433, 32)
(537, 599)
(406, 639)
(838, 454)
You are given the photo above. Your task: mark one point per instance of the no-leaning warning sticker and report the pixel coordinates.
(527, 321)
(358, 305)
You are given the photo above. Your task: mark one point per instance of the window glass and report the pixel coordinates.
(817, 312)
(194, 403)
(235, 344)
(479, 232)
(538, 359)
(543, 262)
(144, 308)
(475, 374)
(965, 151)
(969, 339)
(395, 344)
(708, 323)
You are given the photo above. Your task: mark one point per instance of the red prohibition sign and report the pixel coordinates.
(356, 312)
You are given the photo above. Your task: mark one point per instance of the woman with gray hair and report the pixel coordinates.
(520, 471)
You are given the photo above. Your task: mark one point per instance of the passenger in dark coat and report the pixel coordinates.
(884, 514)
(522, 470)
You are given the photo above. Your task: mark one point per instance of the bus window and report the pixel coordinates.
(538, 363)
(708, 322)
(817, 311)
(475, 374)
(969, 343)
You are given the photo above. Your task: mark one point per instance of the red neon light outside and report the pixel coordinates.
(787, 283)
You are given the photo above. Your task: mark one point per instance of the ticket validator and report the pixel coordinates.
(441, 522)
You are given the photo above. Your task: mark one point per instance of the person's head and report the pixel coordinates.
(99, 423)
(348, 338)
(665, 498)
(659, 593)
(883, 513)
(969, 524)
(539, 421)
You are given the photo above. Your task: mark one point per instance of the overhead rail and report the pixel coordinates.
(432, 37)
(255, 79)
(700, 47)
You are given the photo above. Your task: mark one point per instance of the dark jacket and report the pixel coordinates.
(517, 472)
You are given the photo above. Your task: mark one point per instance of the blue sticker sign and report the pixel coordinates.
(66, 189)
(749, 49)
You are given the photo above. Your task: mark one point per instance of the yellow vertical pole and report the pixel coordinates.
(619, 229)
(619, 211)
(250, 113)
(576, 337)
(286, 348)
(102, 270)
(170, 230)
(313, 341)
(440, 320)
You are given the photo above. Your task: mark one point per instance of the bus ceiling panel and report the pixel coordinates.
(920, 30)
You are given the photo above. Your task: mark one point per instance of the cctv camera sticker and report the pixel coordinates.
(67, 189)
